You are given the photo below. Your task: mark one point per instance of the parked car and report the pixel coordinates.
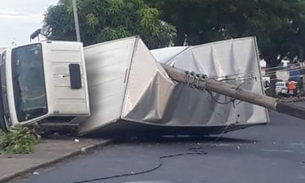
(281, 88)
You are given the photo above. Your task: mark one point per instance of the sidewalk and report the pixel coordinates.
(47, 152)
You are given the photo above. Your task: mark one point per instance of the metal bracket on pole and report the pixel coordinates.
(187, 77)
(202, 82)
(193, 75)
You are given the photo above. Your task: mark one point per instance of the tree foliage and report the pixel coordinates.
(278, 24)
(107, 20)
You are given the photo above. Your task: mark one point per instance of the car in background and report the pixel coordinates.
(281, 88)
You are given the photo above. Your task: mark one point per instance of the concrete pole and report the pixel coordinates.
(235, 92)
(76, 21)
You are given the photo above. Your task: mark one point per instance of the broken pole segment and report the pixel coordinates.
(212, 85)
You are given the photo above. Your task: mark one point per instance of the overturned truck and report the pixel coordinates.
(121, 87)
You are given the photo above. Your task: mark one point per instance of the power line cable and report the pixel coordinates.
(193, 151)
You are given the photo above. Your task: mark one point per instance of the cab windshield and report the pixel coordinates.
(28, 82)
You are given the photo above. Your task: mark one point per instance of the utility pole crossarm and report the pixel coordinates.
(203, 83)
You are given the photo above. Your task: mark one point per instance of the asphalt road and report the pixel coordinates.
(267, 154)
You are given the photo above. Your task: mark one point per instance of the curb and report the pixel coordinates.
(56, 160)
(293, 100)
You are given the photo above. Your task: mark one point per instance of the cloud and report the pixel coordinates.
(15, 19)
(26, 6)
(7, 12)
(19, 18)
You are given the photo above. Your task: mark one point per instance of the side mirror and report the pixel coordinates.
(35, 34)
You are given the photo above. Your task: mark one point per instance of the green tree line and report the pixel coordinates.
(278, 24)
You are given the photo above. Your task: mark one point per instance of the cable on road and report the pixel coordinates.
(193, 151)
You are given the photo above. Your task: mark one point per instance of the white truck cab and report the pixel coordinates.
(44, 82)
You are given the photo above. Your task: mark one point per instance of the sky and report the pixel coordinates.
(20, 18)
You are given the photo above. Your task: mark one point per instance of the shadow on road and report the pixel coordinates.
(189, 139)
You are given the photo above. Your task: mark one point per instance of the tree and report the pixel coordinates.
(298, 28)
(107, 20)
(277, 24)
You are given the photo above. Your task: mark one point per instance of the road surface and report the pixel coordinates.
(267, 154)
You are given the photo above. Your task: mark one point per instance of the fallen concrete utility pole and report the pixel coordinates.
(201, 82)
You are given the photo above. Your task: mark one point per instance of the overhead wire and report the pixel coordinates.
(279, 70)
(215, 112)
(280, 66)
(287, 70)
(250, 76)
(257, 76)
(223, 103)
(218, 114)
(257, 73)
